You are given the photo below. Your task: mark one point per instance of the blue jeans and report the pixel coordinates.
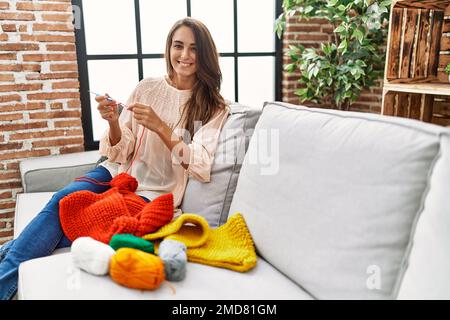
(43, 234)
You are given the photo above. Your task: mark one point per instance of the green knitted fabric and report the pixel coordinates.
(130, 241)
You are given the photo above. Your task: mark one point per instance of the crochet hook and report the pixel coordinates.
(121, 105)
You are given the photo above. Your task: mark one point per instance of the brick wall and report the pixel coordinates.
(311, 33)
(40, 110)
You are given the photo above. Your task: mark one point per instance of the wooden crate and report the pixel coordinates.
(413, 59)
(441, 110)
(409, 105)
(414, 41)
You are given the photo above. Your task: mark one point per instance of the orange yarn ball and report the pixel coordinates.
(136, 269)
(123, 181)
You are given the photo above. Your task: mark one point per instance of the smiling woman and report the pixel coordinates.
(194, 63)
(169, 107)
(154, 140)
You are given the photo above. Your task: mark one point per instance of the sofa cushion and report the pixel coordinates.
(59, 279)
(46, 174)
(330, 197)
(28, 205)
(428, 266)
(212, 200)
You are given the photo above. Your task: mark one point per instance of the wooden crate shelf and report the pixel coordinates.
(423, 88)
(413, 74)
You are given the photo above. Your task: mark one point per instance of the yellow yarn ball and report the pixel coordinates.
(136, 269)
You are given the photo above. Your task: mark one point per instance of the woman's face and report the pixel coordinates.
(183, 53)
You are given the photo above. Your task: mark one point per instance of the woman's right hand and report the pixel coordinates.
(108, 109)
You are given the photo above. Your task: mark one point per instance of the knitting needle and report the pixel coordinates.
(121, 105)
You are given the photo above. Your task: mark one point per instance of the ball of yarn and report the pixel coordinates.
(124, 181)
(130, 241)
(91, 255)
(136, 269)
(173, 254)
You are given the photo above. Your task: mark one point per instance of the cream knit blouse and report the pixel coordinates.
(157, 171)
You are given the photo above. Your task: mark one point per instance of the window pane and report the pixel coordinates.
(157, 17)
(227, 87)
(154, 68)
(110, 27)
(118, 78)
(255, 27)
(218, 18)
(256, 80)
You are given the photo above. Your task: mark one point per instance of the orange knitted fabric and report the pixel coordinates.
(118, 210)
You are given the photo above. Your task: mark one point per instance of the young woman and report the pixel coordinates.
(168, 131)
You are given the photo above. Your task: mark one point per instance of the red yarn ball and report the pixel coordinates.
(123, 181)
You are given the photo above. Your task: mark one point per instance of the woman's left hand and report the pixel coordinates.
(145, 116)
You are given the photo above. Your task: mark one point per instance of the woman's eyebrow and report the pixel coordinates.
(181, 42)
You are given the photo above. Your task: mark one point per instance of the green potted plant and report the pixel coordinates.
(447, 70)
(337, 72)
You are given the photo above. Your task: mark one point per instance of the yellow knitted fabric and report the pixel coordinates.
(191, 229)
(229, 246)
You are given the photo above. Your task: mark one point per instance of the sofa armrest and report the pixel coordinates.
(49, 174)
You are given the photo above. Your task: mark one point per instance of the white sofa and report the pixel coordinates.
(341, 205)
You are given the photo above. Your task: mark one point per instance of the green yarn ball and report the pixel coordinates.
(130, 241)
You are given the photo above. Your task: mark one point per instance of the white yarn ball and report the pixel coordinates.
(91, 255)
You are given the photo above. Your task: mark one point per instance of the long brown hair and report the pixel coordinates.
(206, 99)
